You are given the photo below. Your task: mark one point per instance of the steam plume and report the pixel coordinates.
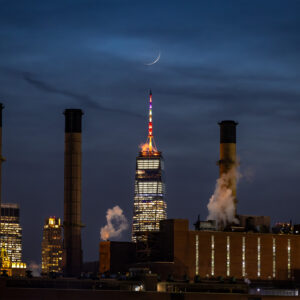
(35, 268)
(221, 206)
(116, 223)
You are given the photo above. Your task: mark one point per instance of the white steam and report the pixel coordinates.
(35, 268)
(221, 206)
(116, 223)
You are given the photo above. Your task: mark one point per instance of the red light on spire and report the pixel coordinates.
(149, 148)
(150, 122)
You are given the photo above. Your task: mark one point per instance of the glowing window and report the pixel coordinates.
(244, 256)
(289, 258)
(212, 255)
(274, 257)
(197, 254)
(258, 257)
(228, 256)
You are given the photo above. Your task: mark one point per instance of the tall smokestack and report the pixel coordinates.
(1, 157)
(227, 160)
(72, 191)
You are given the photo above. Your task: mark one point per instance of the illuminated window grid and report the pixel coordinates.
(149, 205)
(148, 213)
(228, 256)
(243, 256)
(197, 255)
(258, 257)
(52, 246)
(146, 164)
(11, 238)
(149, 187)
(212, 255)
(289, 258)
(274, 258)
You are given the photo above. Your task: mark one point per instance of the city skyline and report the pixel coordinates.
(218, 61)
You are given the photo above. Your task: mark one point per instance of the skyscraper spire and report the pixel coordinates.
(150, 206)
(149, 148)
(150, 133)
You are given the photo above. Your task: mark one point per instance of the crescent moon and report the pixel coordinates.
(155, 61)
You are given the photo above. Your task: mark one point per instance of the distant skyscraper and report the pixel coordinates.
(52, 246)
(149, 196)
(11, 231)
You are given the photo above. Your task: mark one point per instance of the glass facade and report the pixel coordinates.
(149, 195)
(11, 232)
(52, 246)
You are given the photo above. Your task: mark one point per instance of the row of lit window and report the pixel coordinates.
(149, 187)
(243, 256)
(150, 205)
(147, 196)
(148, 212)
(150, 217)
(144, 164)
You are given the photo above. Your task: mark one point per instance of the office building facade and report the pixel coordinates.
(11, 231)
(52, 246)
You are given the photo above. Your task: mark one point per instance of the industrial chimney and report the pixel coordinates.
(228, 161)
(1, 157)
(72, 190)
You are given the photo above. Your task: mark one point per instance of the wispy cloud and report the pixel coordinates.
(82, 99)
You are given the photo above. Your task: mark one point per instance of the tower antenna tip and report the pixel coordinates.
(150, 92)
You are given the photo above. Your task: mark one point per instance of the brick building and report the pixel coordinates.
(175, 250)
(227, 254)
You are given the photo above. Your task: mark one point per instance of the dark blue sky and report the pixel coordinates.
(219, 60)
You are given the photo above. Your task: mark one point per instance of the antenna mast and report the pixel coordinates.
(150, 134)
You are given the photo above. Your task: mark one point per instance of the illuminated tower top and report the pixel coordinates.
(149, 148)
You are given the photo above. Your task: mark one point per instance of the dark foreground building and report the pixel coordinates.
(175, 250)
(257, 256)
(116, 257)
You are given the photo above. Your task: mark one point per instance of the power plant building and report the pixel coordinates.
(149, 195)
(110, 260)
(52, 246)
(179, 251)
(11, 231)
(241, 246)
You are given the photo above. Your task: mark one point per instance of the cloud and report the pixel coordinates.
(82, 99)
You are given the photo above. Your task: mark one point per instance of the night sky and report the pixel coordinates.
(219, 60)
